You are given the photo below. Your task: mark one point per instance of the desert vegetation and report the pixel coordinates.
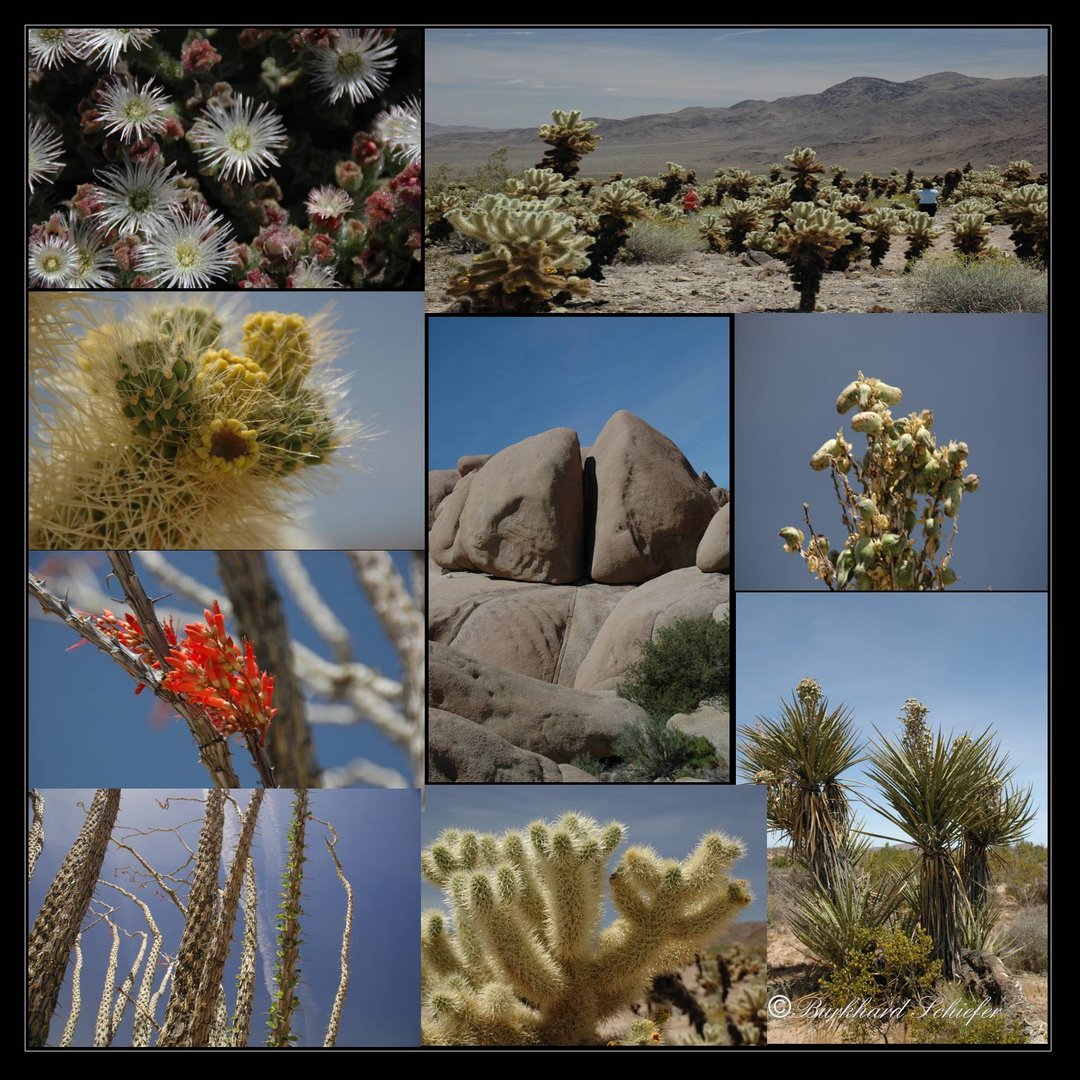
(930, 919)
(235, 674)
(186, 899)
(542, 239)
(517, 956)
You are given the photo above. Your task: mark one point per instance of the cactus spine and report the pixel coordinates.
(57, 924)
(525, 961)
(287, 975)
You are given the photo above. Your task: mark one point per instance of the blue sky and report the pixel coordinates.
(87, 725)
(514, 78)
(496, 381)
(375, 499)
(984, 377)
(671, 819)
(976, 661)
(377, 833)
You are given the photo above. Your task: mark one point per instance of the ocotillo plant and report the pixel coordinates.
(905, 483)
(76, 996)
(287, 972)
(60, 917)
(176, 426)
(240, 1026)
(801, 757)
(570, 139)
(519, 957)
(346, 937)
(807, 239)
(533, 253)
(35, 841)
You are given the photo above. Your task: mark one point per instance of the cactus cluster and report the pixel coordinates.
(179, 425)
(906, 489)
(533, 253)
(519, 958)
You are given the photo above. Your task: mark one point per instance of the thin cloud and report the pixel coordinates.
(738, 33)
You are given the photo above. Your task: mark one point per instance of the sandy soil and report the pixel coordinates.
(706, 282)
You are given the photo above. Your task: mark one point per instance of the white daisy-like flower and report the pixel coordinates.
(53, 260)
(399, 128)
(132, 111)
(53, 46)
(355, 66)
(328, 202)
(238, 139)
(43, 149)
(103, 47)
(96, 260)
(137, 197)
(310, 275)
(190, 251)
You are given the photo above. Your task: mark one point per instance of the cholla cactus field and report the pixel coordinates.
(184, 918)
(518, 957)
(248, 158)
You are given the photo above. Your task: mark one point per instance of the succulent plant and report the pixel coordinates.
(970, 234)
(807, 239)
(921, 234)
(894, 500)
(615, 209)
(1027, 211)
(807, 169)
(739, 219)
(538, 184)
(570, 139)
(533, 250)
(878, 228)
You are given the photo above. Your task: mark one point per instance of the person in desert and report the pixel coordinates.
(928, 196)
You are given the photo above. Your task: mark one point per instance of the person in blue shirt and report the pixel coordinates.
(927, 195)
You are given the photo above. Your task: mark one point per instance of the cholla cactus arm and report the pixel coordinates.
(123, 996)
(103, 1025)
(524, 962)
(346, 937)
(538, 184)
(207, 1006)
(76, 996)
(60, 917)
(287, 974)
(240, 1026)
(35, 841)
(570, 139)
(140, 1032)
(198, 935)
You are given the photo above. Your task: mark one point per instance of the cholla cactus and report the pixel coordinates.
(921, 234)
(520, 958)
(807, 240)
(174, 426)
(852, 208)
(533, 251)
(1019, 172)
(714, 232)
(669, 184)
(570, 139)
(878, 228)
(740, 219)
(538, 184)
(436, 207)
(1026, 210)
(976, 204)
(970, 234)
(804, 164)
(908, 485)
(734, 183)
(617, 206)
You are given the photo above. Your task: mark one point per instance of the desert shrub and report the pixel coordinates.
(687, 662)
(1030, 938)
(1022, 871)
(593, 766)
(958, 284)
(960, 1030)
(887, 861)
(663, 241)
(650, 750)
(885, 969)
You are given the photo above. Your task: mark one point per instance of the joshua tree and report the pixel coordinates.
(570, 139)
(59, 920)
(520, 958)
(801, 756)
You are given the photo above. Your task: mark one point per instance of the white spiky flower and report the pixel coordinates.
(102, 47)
(96, 261)
(310, 275)
(191, 250)
(53, 46)
(137, 196)
(328, 202)
(354, 66)
(53, 260)
(132, 111)
(399, 128)
(43, 149)
(238, 139)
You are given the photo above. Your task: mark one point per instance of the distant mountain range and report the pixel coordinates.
(931, 123)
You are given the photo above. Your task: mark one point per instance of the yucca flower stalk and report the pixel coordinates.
(801, 757)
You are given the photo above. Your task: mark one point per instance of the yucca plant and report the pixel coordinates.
(1003, 820)
(930, 785)
(801, 756)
